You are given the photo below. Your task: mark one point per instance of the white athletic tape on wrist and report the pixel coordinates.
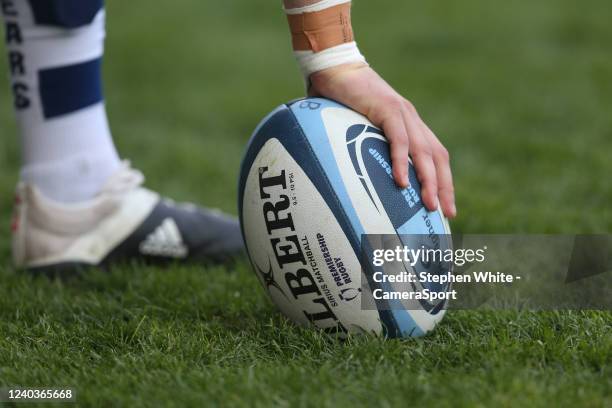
(311, 62)
(322, 5)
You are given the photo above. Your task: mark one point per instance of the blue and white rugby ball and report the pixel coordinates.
(316, 176)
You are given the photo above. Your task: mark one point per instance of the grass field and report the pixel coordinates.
(520, 93)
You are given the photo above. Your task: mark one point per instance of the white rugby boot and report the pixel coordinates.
(123, 222)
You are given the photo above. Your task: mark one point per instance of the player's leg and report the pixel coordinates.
(54, 52)
(77, 203)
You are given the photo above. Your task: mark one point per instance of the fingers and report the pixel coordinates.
(422, 156)
(408, 136)
(364, 91)
(407, 133)
(432, 162)
(396, 133)
(446, 190)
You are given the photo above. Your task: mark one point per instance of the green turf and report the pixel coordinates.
(520, 93)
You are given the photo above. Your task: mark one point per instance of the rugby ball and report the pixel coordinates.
(315, 179)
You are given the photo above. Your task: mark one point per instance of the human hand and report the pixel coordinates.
(359, 87)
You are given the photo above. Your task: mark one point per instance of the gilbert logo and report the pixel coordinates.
(165, 241)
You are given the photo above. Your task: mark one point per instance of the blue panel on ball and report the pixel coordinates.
(400, 204)
(418, 226)
(308, 114)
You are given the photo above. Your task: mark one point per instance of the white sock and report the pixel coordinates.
(54, 62)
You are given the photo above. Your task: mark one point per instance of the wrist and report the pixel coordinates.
(344, 55)
(322, 36)
(330, 73)
(321, 81)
